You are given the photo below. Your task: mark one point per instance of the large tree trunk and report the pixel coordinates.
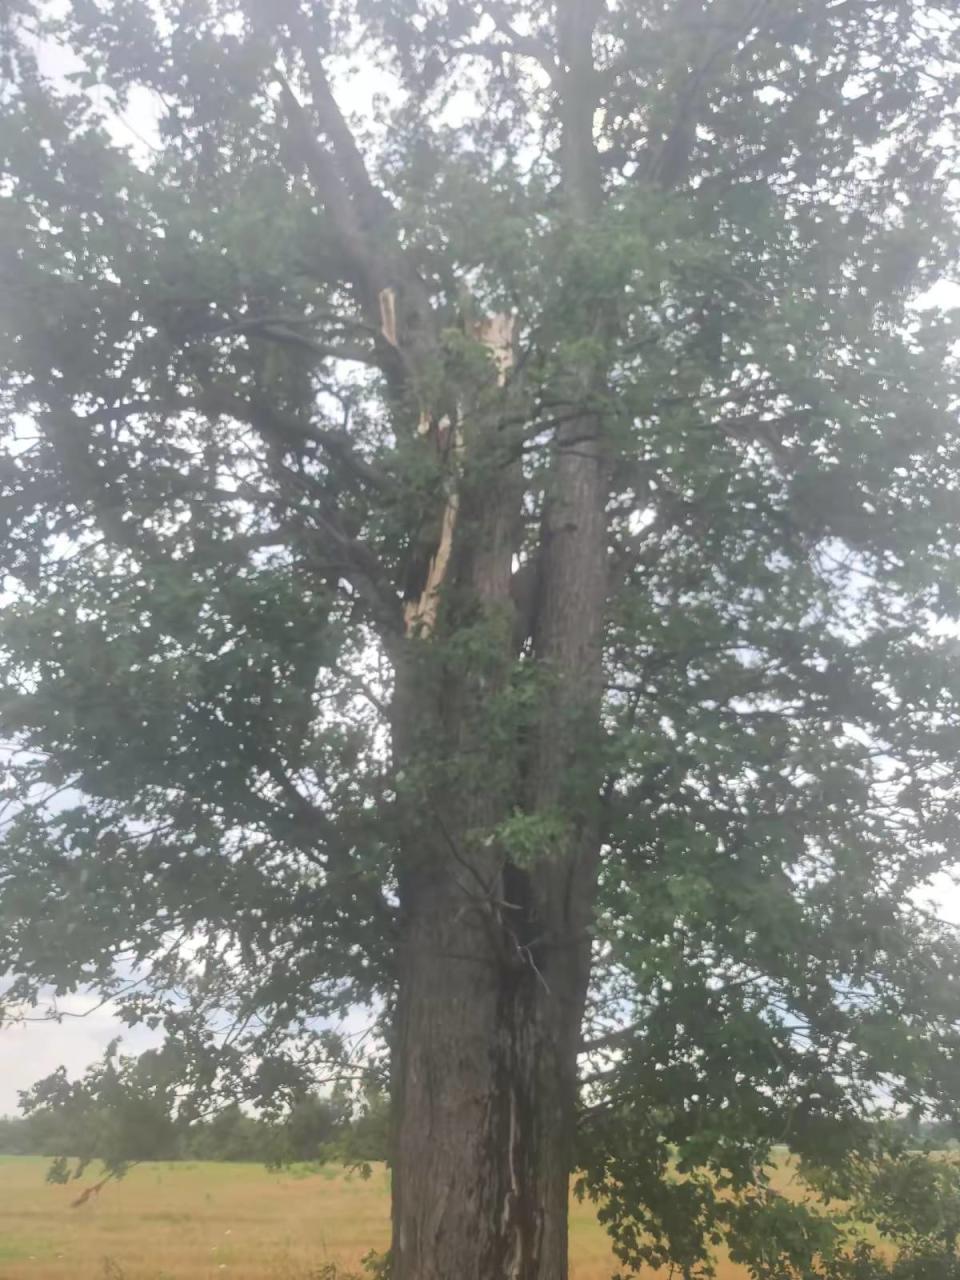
(495, 957)
(485, 1092)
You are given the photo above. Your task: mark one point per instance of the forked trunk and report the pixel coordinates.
(494, 957)
(494, 960)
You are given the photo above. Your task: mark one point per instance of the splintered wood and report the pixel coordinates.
(496, 333)
(388, 315)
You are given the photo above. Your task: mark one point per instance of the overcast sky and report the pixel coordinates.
(30, 1051)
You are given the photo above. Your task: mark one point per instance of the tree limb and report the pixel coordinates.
(274, 425)
(330, 189)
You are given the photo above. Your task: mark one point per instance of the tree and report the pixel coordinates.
(121, 1112)
(231, 1135)
(16, 1136)
(124, 1111)
(486, 559)
(313, 1124)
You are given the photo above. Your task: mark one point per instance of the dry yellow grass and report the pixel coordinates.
(204, 1221)
(200, 1221)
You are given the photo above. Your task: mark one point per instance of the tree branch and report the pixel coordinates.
(578, 89)
(330, 189)
(669, 164)
(281, 329)
(275, 426)
(526, 45)
(374, 208)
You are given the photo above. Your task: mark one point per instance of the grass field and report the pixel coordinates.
(197, 1221)
(200, 1221)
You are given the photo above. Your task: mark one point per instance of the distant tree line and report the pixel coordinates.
(332, 1127)
(936, 1134)
(315, 1128)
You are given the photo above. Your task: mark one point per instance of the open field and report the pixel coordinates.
(196, 1221)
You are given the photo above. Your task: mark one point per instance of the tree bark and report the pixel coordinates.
(485, 1092)
(495, 957)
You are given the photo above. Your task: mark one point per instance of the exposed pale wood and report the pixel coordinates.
(498, 333)
(388, 315)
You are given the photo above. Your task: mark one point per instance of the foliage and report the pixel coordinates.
(18, 1138)
(213, 500)
(120, 1121)
(127, 1109)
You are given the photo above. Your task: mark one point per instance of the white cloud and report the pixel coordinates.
(31, 1050)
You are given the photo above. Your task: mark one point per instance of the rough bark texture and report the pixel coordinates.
(495, 957)
(485, 1089)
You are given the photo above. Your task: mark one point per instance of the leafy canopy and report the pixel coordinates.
(211, 500)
